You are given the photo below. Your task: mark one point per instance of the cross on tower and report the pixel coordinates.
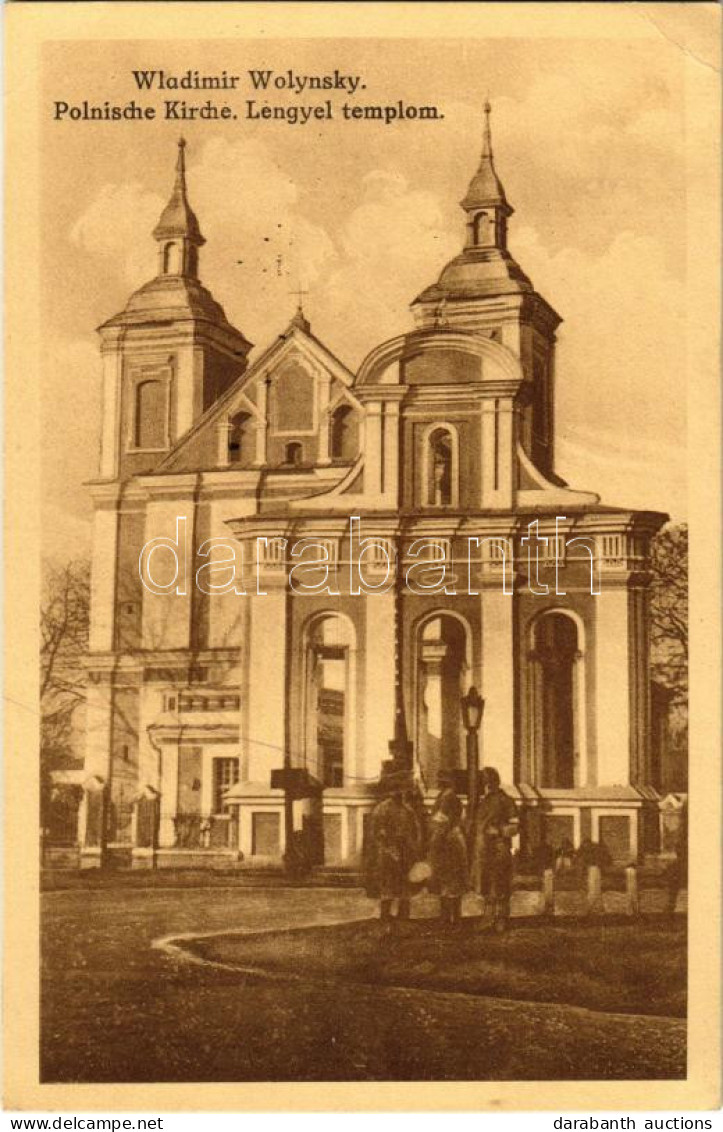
(299, 292)
(299, 318)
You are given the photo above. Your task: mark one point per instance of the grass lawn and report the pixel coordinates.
(116, 1009)
(612, 966)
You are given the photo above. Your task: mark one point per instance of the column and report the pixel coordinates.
(498, 455)
(223, 431)
(579, 685)
(612, 701)
(110, 401)
(189, 384)
(373, 450)
(264, 719)
(391, 450)
(262, 424)
(378, 721)
(103, 577)
(169, 794)
(498, 678)
(324, 388)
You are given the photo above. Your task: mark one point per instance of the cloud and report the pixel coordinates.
(591, 159)
(70, 431)
(259, 243)
(621, 367)
(110, 226)
(393, 244)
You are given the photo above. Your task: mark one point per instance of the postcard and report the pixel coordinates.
(362, 560)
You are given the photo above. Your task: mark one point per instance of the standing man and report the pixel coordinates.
(393, 847)
(448, 851)
(495, 825)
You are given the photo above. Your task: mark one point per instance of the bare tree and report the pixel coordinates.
(64, 622)
(669, 611)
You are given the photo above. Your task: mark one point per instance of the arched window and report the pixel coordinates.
(172, 258)
(557, 703)
(150, 425)
(294, 454)
(241, 440)
(480, 227)
(441, 471)
(442, 663)
(343, 433)
(328, 699)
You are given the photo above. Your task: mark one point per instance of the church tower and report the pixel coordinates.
(484, 289)
(170, 354)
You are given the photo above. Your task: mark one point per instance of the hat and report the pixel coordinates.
(491, 776)
(394, 781)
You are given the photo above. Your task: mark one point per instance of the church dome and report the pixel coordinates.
(484, 267)
(472, 274)
(171, 297)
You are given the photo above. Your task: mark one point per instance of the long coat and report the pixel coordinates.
(448, 850)
(491, 864)
(393, 846)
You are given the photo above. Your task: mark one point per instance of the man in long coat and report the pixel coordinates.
(496, 823)
(448, 850)
(393, 847)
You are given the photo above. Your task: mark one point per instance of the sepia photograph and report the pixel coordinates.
(364, 477)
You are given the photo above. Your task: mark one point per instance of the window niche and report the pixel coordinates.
(343, 433)
(241, 439)
(440, 468)
(150, 415)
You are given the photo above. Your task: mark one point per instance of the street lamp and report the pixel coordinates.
(473, 707)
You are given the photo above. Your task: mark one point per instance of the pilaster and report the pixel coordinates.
(264, 720)
(613, 682)
(498, 676)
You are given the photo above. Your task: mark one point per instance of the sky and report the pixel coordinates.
(589, 146)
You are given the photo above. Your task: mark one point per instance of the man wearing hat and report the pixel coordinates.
(448, 851)
(394, 846)
(496, 823)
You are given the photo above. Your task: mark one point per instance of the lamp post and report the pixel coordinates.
(473, 707)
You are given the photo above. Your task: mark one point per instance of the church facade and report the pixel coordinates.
(299, 571)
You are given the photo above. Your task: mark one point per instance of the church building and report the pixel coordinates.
(211, 690)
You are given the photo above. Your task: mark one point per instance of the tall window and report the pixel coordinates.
(440, 469)
(172, 259)
(483, 228)
(241, 440)
(343, 433)
(225, 775)
(150, 415)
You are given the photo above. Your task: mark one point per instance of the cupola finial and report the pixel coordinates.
(177, 231)
(487, 138)
(300, 320)
(181, 165)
